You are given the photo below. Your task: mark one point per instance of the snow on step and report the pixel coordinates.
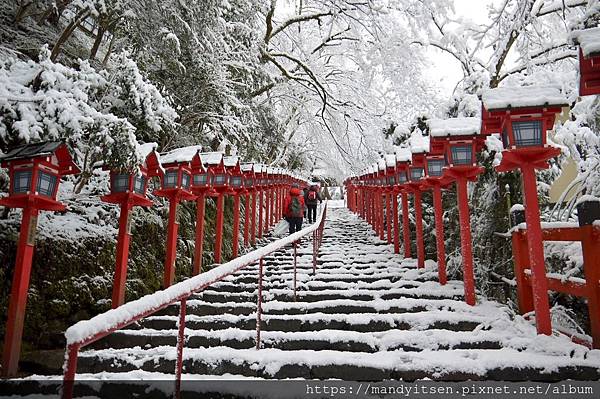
(366, 314)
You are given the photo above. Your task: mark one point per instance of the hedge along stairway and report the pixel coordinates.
(365, 315)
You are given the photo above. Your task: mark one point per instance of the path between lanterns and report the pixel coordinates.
(366, 315)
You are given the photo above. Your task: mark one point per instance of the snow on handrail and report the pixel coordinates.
(87, 331)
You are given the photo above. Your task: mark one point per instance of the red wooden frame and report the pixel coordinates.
(589, 236)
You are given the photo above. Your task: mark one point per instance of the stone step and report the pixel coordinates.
(199, 307)
(344, 341)
(367, 322)
(306, 284)
(456, 365)
(325, 295)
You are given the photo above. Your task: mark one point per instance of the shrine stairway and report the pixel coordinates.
(365, 315)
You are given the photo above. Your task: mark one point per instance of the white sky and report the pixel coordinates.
(445, 70)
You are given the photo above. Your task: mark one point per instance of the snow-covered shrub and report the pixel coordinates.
(96, 112)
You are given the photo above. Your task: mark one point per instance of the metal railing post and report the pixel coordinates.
(180, 345)
(314, 245)
(70, 368)
(295, 263)
(259, 303)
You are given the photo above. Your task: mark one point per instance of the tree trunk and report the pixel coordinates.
(22, 11)
(97, 42)
(109, 51)
(54, 12)
(83, 14)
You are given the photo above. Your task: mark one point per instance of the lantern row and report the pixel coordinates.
(521, 117)
(184, 174)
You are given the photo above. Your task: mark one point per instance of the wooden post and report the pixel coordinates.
(535, 247)
(588, 212)
(124, 236)
(388, 216)
(247, 208)
(405, 225)
(235, 240)
(253, 219)
(396, 224)
(18, 293)
(171, 254)
(419, 228)
(439, 233)
(219, 227)
(260, 212)
(465, 240)
(521, 262)
(199, 246)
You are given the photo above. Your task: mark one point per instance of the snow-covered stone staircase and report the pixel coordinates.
(366, 315)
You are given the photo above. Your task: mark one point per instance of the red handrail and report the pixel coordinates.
(86, 332)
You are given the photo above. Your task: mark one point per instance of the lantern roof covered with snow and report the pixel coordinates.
(454, 127)
(503, 98)
(248, 169)
(174, 168)
(219, 173)
(589, 60)
(454, 143)
(403, 154)
(201, 175)
(526, 115)
(131, 186)
(35, 171)
(236, 175)
(504, 103)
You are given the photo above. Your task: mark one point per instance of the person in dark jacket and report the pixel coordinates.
(293, 208)
(312, 198)
(304, 192)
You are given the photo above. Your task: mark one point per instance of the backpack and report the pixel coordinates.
(312, 195)
(295, 208)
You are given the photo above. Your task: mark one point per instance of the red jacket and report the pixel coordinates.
(294, 192)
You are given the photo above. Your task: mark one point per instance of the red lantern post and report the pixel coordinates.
(415, 184)
(262, 180)
(201, 187)
(403, 157)
(175, 173)
(381, 198)
(236, 185)
(527, 113)
(35, 171)
(127, 190)
(391, 214)
(248, 171)
(461, 140)
(220, 185)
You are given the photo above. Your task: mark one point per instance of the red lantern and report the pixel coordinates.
(416, 174)
(589, 60)
(527, 114)
(403, 157)
(35, 171)
(174, 170)
(127, 189)
(460, 139)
